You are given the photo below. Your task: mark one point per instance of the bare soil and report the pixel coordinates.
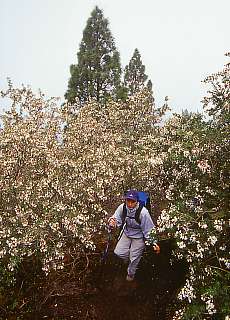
(101, 292)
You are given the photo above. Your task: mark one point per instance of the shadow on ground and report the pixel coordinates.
(106, 295)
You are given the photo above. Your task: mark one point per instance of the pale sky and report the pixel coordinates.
(180, 42)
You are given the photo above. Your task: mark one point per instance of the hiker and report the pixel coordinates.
(134, 234)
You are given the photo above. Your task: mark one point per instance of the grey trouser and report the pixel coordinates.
(130, 250)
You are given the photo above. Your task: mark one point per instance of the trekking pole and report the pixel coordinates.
(109, 238)
(121, 232)
(105, 253)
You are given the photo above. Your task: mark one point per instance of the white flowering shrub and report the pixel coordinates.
(38, 214)
(195, 173)
(64, 168)
(112, 145)
(57, 184)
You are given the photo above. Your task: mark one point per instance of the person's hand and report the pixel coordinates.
(112, 223)
(156, 248)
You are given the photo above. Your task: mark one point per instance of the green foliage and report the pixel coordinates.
(7, 278)
(97, 72)
(134, 75)
(195, 311)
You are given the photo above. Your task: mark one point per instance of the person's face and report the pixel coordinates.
(131, 203)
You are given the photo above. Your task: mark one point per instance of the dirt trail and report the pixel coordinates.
(107, 295)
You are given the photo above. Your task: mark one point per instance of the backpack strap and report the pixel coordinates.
(124, 213)
(137, 214)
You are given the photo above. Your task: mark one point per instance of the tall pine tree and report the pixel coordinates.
(97, 73)
(135, 78)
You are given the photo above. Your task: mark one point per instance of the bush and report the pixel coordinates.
(195, 174)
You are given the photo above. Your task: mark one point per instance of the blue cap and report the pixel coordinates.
(132, 194)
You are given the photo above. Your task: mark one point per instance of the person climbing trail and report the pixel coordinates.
(136, 224)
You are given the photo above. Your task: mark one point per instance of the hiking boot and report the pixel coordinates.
(129, 277)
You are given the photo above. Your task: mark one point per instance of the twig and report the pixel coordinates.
(87, 264)
(3, 309)
(213, 267)
(66, 294)
(87, 313)
(23, 304)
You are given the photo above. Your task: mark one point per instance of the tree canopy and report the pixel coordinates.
(135, 78)
(97, 72)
